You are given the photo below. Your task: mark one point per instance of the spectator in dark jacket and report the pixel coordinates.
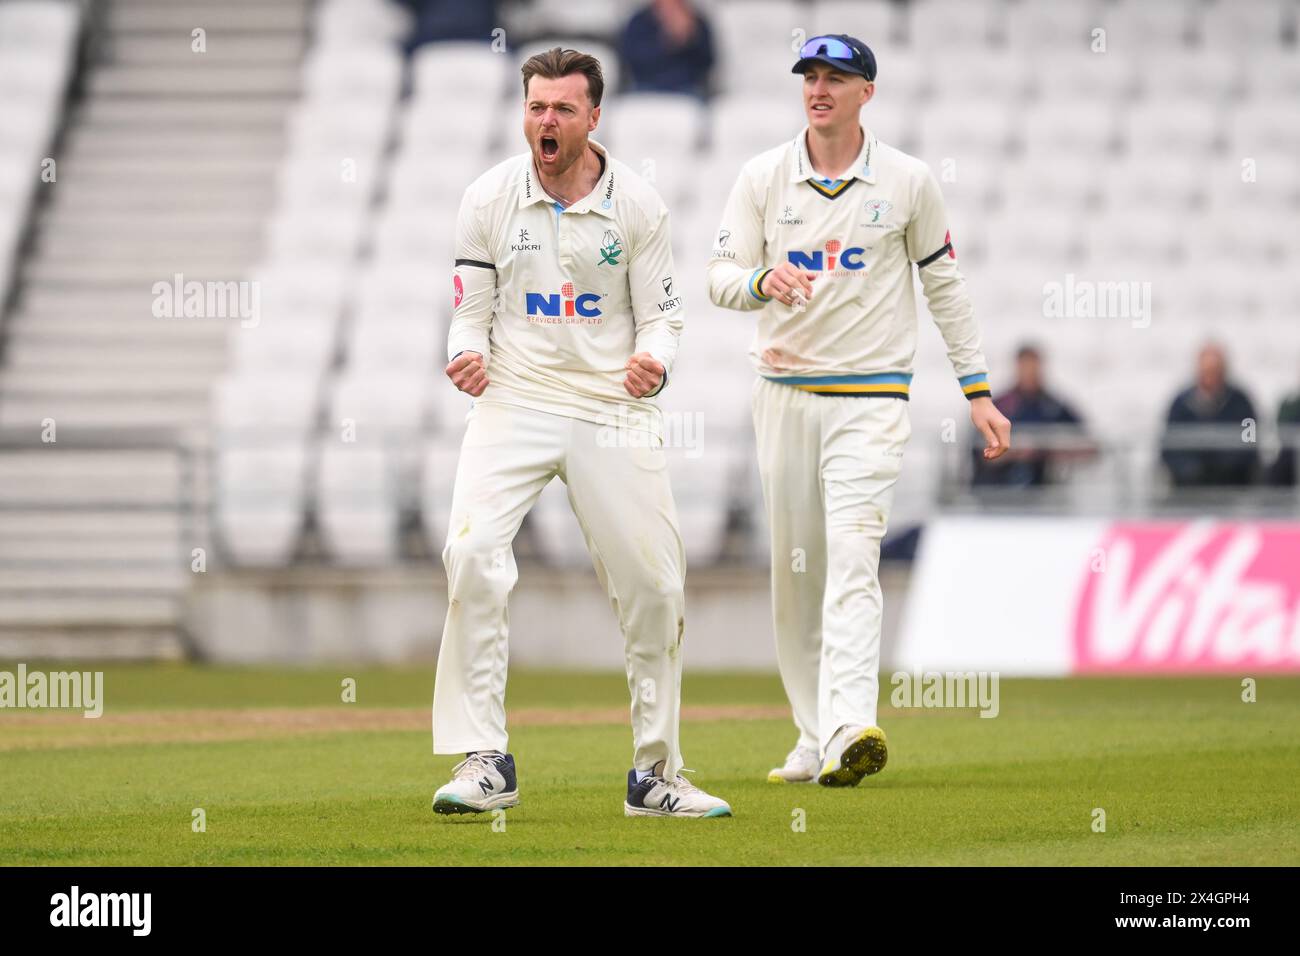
(1027, 403)
(437, 20)
(667, 47)
(1288, 422)
(1213, 400)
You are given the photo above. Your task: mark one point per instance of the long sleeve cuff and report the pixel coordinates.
(976, 385)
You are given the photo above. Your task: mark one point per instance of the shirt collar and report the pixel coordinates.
(600, 200)
(862, 168)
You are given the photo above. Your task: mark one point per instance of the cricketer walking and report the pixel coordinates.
(820, 236)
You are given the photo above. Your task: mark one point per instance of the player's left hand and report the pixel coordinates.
(993, 425)
(644, 374)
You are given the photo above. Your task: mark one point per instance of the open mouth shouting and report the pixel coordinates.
(549, 148)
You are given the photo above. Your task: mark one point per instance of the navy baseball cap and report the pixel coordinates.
(840, 51)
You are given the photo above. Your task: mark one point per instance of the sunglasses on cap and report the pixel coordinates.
(829, 46)
(852, 57)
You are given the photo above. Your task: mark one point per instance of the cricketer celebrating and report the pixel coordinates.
(819, 237)
(576, 248)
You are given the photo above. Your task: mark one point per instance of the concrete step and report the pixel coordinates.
(56, 303)
(103, 332)
(59, 220)
(84, 639)
(104, 610)
(99, 197)
(87, 145)
(167, 16)
(41, 551)
(139, 580)
(166, 170)
(34, 386)
(102, 414)
(183, 116)
(223, 49)
(77, 358)
(195, 78)
(101, 527)
(122, 477)
(142, 246)
(139, 273)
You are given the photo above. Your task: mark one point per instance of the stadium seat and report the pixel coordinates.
(1066, 77)
(1175, 128)
(744, 125)
(1147, 25)
(265, 407)
(260, 493)
(442, 131)
(938, 25)
(321, 236)
(344, 24)
(961, 130)
(1169, 185)
(356, 502)
(1257, 127)
(872, 21)
(663, 129)
(400, 295)
(300, 345)
(418, 238)
(415, 347)
(1209, 75)
(463, 72)
(437, 479)
(1250, 27)
(371, 74)
(1082, 128)
(755, 41)
(343, 126)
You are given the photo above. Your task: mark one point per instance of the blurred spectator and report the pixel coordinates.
(451, 20)
(1288, 422)
(667, 47)
(1027, 403)
(1213, 400)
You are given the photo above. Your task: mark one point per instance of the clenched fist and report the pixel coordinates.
(467, 373)
(644, 374)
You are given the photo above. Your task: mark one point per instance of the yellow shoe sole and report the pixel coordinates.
(862, 756)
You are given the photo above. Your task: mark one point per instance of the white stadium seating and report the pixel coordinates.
(1162, 149)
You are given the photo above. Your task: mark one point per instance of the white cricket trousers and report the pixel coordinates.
(619, 490)
(828, 465)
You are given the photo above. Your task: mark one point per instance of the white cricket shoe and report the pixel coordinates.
(657, 797)
(482, 781)
(801, 766)
(853, 753)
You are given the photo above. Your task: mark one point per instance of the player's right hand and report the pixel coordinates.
(467, 373)
(788, 283)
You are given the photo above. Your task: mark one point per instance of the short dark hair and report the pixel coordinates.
(1028, 350)
(555, 63)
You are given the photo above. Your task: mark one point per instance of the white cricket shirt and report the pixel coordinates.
(861, 234)
(580, 291)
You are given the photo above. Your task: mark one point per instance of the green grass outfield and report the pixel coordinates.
(288, 774)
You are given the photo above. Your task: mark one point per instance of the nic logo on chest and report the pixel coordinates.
(838, 235)
(571, 268)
